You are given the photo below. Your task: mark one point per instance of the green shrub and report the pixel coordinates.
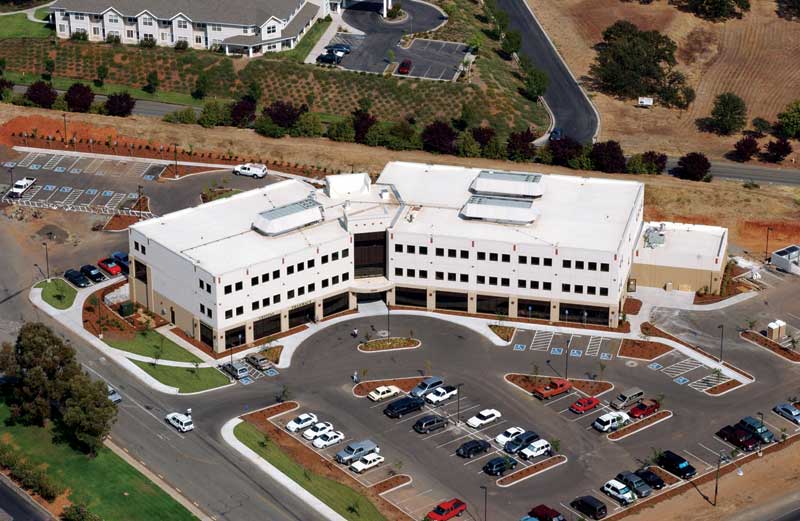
(215, 113)
(181, 45)
(60, 104)
(79, 36)
(308, 125)
(342, 131)
(147, 43)
(268, 128)
(79, 513)
(8, 456)
(185, 116)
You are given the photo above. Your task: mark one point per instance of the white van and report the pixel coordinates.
(627, 398)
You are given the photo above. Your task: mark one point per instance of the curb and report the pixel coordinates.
(353, 390)
(19, 492)
(767, 349)
(665, 418)
(563, 461)
(409, 482)
(391, 349)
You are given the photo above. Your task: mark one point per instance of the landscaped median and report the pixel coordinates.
(57, 292)
(642, 349)
(504, 332)
(723, 388)
(532, 470)
(760, 340)
(528, 383)
(389, 344)
(633, 428)
(404, 384)
(151, 344)
(186, 379)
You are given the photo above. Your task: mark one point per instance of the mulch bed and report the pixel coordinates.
(169, 172)
(278, 408)
(216, 193)
(504, 332)
(217, 356)
(625, 327)
(406, 384)
(639, 425)
(632, 306)
(273, 354)
(668, 478)
(387, 344)
(642, 349)
(121, 222)
(307, 458)
(721, 388)
(531, 470)
(528, 383)
(389, 483)
(113, 325)
(792, 356)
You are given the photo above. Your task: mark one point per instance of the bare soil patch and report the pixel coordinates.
(121, 222)
(761, 340)
(387, 484)
(273, 354)
(528, 383)
(531, 470)
(639, 425)
(388, 344)
(642, 349)
(504, 332)
(723, 387)
(405, 384)
(632, 306)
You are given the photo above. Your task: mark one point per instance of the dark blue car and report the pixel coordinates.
(121, 258)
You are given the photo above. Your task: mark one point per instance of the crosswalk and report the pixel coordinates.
(594, 346)
(72, 197)
(115, 200)
(679, 368)
(51, 163)
(27, 160)
(541, 340)
(709, 381)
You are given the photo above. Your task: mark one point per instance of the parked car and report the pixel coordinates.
(644, 409)
(356, 450)
(384, 392)
(254, 170)
(757, 429)
(738, 437)
(536, 449)
(635, 483)
(556, 134)
(545, 513)
(611, 421)
(553, 388)
(472, 448)
(318, 429)
(367, 462)
(651, 478)
(327, 439)
(508, 435)
(259, 361)
(520, 442)
(627, 398)
(788, 411)
(92, 273)
(499, 465)
(329, 59)
(110, 266)
(76, 278)
(485, 417)
(430, 423)
(441, 394)
(114, 395)
(619, 491)
(236, 369)
(182, 422)
(585, 404)
(590, 506)
(405, 405)
(342, 47)
(301, 422)
(675, 464)
(20, 187)
(425, 386)
(121, 258)
(447, 510)
(405, 67)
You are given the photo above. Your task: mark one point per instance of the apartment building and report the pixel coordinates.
(558, 248)
(249, 27)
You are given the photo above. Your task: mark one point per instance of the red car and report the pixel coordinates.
(110, 266)
(644, 409)
(447, 510)
(405, 67)
(584, 405)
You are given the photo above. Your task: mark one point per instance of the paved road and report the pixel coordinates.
(751, 172)
(19, 508)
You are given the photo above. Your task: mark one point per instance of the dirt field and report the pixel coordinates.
(746, 213)
(757, 57)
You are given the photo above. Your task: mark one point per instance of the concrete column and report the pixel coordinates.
(431, 298)
(512, 307)
(318, 316)
(385, 8)
(554, 310)
(249, 52)
(390, 297)
(353, 304)
(284, 320)
(472, 302)
(227, 51)
(613, 318)
(248, 333)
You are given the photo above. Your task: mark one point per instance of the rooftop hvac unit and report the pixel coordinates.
(653, 237)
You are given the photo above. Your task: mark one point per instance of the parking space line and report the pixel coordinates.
(486, 455)
(732, 447)
(712, 451)
(420, 413)
(773, 426)
(587, 414)
(708, 465)
(797, 428)
(551, 402)
(471, 433)
(413, 497)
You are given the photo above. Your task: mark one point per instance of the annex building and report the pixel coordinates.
(527, 245)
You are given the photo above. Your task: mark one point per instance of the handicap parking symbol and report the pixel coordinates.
(108, 193)
(9, 164)
(655, 366)
(75, 171)
(246, 380)
(271, 372)
(605, 356)
(65, 189)
(49, 188)
(520, 347)
(557, 351)
(59, 169)
(149, 177)
(35, 167)
(91, 191)
(133, 195)
(681, 380)
(575, 353)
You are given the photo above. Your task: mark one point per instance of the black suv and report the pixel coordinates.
(675, 464)
(518, 443)
(329, 58)
(590, 506)
(92, 273)
(404, 405)
(431, 422)
(651, 478)
(77, 278)
(498, 466)
(473, 448)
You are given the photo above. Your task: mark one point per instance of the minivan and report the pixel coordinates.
(627, 398)
(757, 429)
(425, 386)
(237, 369)
(590, 506)
(356, 450)
(429, 423)
(405, 405)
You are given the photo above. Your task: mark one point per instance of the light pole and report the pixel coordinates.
(566, 363)
(175, 147)
(739, 472)
(46, 260)
(766, 248)
(458, 403)
(65, 125)
(10, 177)
(388, 319)
(485, 501)
(721, 328)
(761, 429)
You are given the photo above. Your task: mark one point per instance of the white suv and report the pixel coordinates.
(21, 186)
(536, 449)
(619, 491)
(611, 421)
(254, 170)
(182, 422)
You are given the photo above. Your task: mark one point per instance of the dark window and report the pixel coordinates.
(481, 279)
(202, 285)
(440, 252)
(548, 261)
(521, 283)
(533, 309)
(493, 257)
(239, 286)
(591, 290)
(234, 337)
(335, 304)
(228, 289)
(493, 281)
(411, 297)
(578, 288)
(398, 248)
(208, 288)
(451, 277)
(439, 275)
(311, 263)
(202, 308)
(335, 256)
(276, 274)
(522, 259)
(267, 326)
(335, 279)
(464, 254)
(289, 270)
(208, 312)
(534, 284)
(311, 287)
(228, 313)
(265, 277)
(535, 261)
(345, 276)
(254, 281)
(276, 298)
(566, 263)
(301, 291)
(411, 273)
(411, 249)
(301, 315)
(423, 274)
(135, 245)
(325, 283)
(578, 265)
(255, 305)
(464, 277)
(369, 255)
(603, 292)
(492, 305)
(585, 314)
(505, 282)
(592, 266)
(546, 286)
(239, 310)
(604, 266)
(423, 250)
(451, 253)
(506, 257)
(265, 301)
(290, 294)
(398, 272)
(452, 301)
(565, 288)
(144, 249)
(345, 253)
(481, 255)
(324, 259)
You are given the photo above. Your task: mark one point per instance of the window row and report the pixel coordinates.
(205, 285)
(579, 289)
(581, 265)
(140, 247)
(206, 311)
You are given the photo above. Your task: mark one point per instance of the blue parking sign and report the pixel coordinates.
(655, 366)
(558, 351)
(520, 347)
(605, 356)
(681, 380)
(576, 353)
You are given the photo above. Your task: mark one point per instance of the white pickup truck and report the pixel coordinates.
(21, 186)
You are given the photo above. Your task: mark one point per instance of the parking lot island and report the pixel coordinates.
(642, 349)
(389, 344)
(635, 427)
(529, 383)
(57, 293)
(404, 384)
(760, 340)
(532, 470)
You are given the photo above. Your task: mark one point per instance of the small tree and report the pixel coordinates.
(201, 86)
(655, 162)
(607, 157)
(520, 146)
(729, 114)
(78, 513)
(49, 68)
(536, 82)
(41, 94)
(761, 126)
(243, 112)
(693, 166)
(512, 41)
(564, 150)
(746, 148)
(778, 150)
(79, 97)
(284, 113)
(88, 413)
(789, 120)
(102, 74)
(363, 121)
(501, 20)
(483, 135)
(555, 445)
(119, 104)
(467, 146)
(152, 82)
(439, 137)
(215, 113)
(718, 9)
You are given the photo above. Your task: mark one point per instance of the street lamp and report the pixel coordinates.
(65, 125)
(458, 403)
(10, 176)
(766, 248)
(721, 328)
(46, 260)
(720, 457)
(485, 501)
(388, 319)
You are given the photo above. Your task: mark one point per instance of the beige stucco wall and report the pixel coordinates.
(183, 318)
(683, 279)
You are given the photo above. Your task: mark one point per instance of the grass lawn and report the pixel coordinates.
(184, 378)
(299, 53)
(106, 484)
(18, 26)
(43, 13)
(58, 293)
(147, 343)
(337, 496)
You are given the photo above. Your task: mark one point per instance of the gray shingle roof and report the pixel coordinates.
(236, 12)
(291, 30)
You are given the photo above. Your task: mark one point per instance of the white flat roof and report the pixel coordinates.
(692, 246)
